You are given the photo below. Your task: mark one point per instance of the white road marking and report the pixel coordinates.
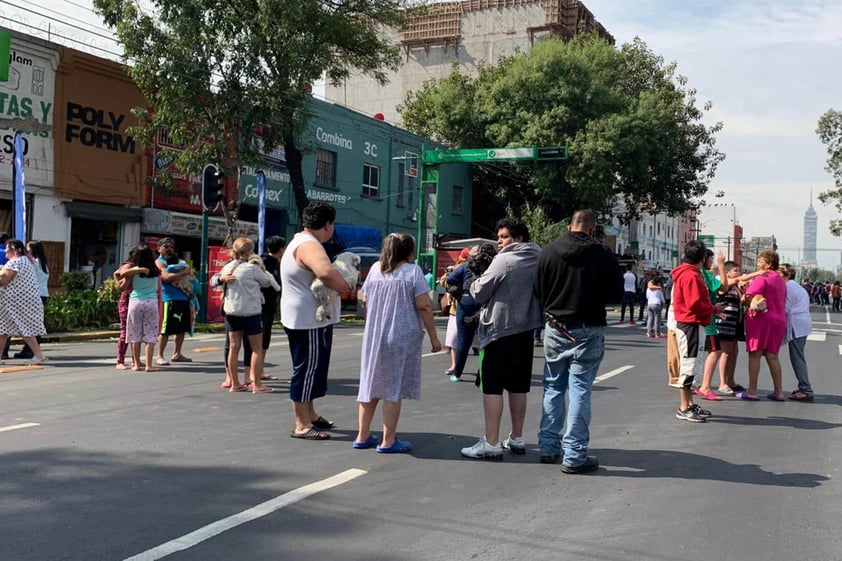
(827, 313)
(820, 336)
(612, 373)
(20, 426)
(840, 349)
(215, 528)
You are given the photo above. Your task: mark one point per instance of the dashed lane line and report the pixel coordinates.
(612, 373)
(20, 426)
(215, 528)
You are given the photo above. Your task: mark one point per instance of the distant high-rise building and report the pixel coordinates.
(810, 232)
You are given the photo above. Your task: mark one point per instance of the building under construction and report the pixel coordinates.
(467, 32)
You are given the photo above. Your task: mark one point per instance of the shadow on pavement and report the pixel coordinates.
(775, 421)
(684, 465)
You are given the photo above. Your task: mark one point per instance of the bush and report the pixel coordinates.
(76, 280)
(82, 309)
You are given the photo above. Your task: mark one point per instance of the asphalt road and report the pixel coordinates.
(97, 464)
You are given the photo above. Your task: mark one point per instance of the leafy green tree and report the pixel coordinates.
(228, 77)
(630, 122)
(830, 133)
(542, 229)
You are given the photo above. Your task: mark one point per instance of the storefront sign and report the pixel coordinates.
(277, 186)
(29, 91)
(159, 221)
(328, 197)
(218, 257)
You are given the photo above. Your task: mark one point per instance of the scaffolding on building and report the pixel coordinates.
(441, 23)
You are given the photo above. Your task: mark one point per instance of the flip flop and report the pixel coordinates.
(801, 396)
(773, 397)
(161, 362)
(262, 389)
(745, 397)
(311, 434)
(323, 424)
(709, 395)
(181, 358)
(397, 447)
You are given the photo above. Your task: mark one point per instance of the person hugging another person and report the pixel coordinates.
(398, 311)
(654, 302)
(177, 310)
(142, 317)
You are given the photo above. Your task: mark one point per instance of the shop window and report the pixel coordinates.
(325, 169)
(371, 180)
(458, 196)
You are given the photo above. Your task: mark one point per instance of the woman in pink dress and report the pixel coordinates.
(765, 330)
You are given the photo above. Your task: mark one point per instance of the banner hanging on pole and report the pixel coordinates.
(20, 190)
(261, 212)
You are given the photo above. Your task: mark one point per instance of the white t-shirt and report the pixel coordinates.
(654, 297)
(629, 282)
(298, 304)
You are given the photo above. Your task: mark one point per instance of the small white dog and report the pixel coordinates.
(347, 264)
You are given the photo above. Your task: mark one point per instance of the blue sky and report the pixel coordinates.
(770, 68)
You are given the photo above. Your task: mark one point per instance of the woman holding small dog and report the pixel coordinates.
(243, 307)
(398, 310)
(765, 329)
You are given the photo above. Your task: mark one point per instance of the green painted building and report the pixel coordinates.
(369, 170)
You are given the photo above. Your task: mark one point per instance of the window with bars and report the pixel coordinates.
(371, 180)
(325, 168)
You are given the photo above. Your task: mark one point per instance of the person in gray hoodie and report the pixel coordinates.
(510, 313)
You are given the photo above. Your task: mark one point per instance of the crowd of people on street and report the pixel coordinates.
(498, 301)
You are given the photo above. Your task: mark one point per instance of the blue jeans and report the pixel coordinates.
(464, 337)
(570, 366)
(799, 364)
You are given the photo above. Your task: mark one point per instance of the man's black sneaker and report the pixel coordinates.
(689, 415)
(701, 412)
(551, 459)
(590, 465)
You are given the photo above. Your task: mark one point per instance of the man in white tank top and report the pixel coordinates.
(310, 340)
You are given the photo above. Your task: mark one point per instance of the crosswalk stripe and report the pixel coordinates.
(820, 336)
(612, 373)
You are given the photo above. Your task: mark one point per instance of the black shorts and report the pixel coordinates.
(506, 364)
(249, 325)
(712, 343)
(176, 317)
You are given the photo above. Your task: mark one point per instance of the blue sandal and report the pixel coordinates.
(369, 442)
(397, 447)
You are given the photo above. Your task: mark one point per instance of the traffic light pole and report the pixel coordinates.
(203, 271)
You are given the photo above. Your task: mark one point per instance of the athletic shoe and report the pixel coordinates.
(482, 450)
(515, 445)
(690, 415)
(454, 378)
(546, 459)
(704, 413)
(590, 464)
(631, 322)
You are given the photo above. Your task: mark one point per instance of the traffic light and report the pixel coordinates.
(213, 189)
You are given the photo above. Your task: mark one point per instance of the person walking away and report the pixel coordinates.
(398, 309)
(35, 251)
(21, 309)
(654, 303)
(799, 324)
(629, 295)
(577, 277)
(142, 317)
(310, 340)
(693, 312)
(507, 324)
(176, 304)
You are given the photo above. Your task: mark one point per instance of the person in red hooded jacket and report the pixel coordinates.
(693, 311)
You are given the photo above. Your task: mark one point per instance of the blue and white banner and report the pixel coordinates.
(20, 190)
(261, 212)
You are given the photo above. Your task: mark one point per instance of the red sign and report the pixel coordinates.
(218, 256)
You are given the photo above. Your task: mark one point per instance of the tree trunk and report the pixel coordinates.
(296, 174)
